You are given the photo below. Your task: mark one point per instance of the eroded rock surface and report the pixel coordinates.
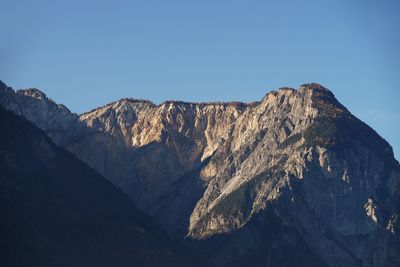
(293, 174)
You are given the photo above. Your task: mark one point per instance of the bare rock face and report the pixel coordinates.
(56, 119)
(166, 148)
(292, 180)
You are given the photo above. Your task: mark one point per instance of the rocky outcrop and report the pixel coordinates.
(295, 171)
(56, 119)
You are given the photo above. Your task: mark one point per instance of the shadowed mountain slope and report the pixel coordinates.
(56, 211)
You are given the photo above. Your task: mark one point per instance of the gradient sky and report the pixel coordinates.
(87, 53)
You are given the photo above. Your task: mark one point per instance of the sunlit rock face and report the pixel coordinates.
(56, 119)
(293, 174)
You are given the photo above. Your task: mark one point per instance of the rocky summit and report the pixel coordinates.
(291, 180)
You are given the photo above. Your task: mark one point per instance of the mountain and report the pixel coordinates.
(292, 180)
(58, 122)
(56, 211)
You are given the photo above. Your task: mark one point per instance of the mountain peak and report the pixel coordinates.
(2, 84)
(33, 92)
(308, 90)
(297, 167)
(316, 89)
(6, 88)
(314, 86)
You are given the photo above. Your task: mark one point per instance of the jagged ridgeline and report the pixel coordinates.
(292, 180)
(57, 211)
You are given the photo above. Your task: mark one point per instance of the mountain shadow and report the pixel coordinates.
(57, 211)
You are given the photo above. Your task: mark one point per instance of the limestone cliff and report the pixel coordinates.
(293, 174)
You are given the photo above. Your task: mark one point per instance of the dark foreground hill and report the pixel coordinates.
(56, 211)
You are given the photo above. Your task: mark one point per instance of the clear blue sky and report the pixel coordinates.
(88, 53)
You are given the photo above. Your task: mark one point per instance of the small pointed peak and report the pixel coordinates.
(270, 94)
(3, 85)
(120, 103)
(5, 88)
(131, 102)
(277, 93)
(314, 87)
(33, 92)
(324, 100)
